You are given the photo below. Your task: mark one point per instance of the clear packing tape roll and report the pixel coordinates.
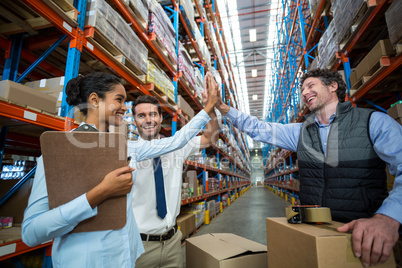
(299, 214)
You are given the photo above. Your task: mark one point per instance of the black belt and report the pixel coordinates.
(162, 237)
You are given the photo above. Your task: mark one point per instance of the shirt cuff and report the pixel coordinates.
(204, 115)
(77, 210)
(389, 210)
(232, 114)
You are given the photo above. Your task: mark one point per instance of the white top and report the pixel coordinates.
(144, 195)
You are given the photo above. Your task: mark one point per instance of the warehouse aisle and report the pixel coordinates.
(246, 216)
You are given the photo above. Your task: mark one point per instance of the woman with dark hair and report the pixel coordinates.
(100, 97)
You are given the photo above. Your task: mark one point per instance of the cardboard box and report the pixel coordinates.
(191, 179)
(309, 246)
(24, 95)
(224, 250)
(382, 48)
(186, 224)
(51, 86)
(181, 102)
(395, 111)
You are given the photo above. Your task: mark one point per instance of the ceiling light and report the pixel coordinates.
(255, 97)
(253, 35)
(254, 73)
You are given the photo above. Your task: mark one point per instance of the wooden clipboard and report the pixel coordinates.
(75, 162)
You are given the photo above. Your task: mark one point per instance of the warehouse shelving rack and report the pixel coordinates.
(274, 176)
(82, 38)
(239, 181)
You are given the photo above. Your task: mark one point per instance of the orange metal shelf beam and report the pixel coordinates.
(32, 117)
(19, 248)
(144, 36)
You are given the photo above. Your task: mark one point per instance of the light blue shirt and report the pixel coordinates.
(385, 133)
(111, 248)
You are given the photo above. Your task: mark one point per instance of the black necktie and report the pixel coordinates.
(159, 188)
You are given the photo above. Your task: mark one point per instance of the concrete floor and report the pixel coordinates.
(246, 216)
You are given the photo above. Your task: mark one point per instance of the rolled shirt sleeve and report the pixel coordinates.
(41, 224)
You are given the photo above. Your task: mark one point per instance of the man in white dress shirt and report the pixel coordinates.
(159, 233)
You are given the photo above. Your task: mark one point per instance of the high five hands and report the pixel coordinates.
(209, 90)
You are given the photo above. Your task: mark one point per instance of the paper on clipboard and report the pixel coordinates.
(75, 162)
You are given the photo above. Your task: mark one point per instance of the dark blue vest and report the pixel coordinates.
(351, 179)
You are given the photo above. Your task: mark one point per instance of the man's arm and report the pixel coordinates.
(211, 132)
(374, 238)
(143, 149)
(280, 135)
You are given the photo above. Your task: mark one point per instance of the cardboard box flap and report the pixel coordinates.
(241, 242)
(325, 229)
(219, 247)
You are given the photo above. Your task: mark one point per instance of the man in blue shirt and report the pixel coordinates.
(342, 153)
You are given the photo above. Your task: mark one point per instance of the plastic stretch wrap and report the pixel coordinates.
(110, 24)
(157, 76)
(344, 13)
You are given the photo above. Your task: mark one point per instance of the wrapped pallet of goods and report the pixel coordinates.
(140, 9)
(186, 66)
(202, 46)
(189, 14)
(199, 82)
(160, 80)
(198, 209)
(328, 46)
(112, 26)
(393, 23)
(160, 25)
(345, 13)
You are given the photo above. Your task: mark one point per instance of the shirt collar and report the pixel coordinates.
(83, 123)
(331, 118)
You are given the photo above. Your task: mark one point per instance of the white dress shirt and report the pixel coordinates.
(144, 194)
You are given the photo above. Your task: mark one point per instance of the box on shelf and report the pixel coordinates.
(160, 79)
(211, 208)
(51, 86)
(198, 211)
(24, 95)
(382, 48)
(224, 250)
(395, 111)
(185, 107)
(191, 178)
(309, 245)
(186, 224)
(140, 8)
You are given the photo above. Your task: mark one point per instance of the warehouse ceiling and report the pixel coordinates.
(238, 18)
